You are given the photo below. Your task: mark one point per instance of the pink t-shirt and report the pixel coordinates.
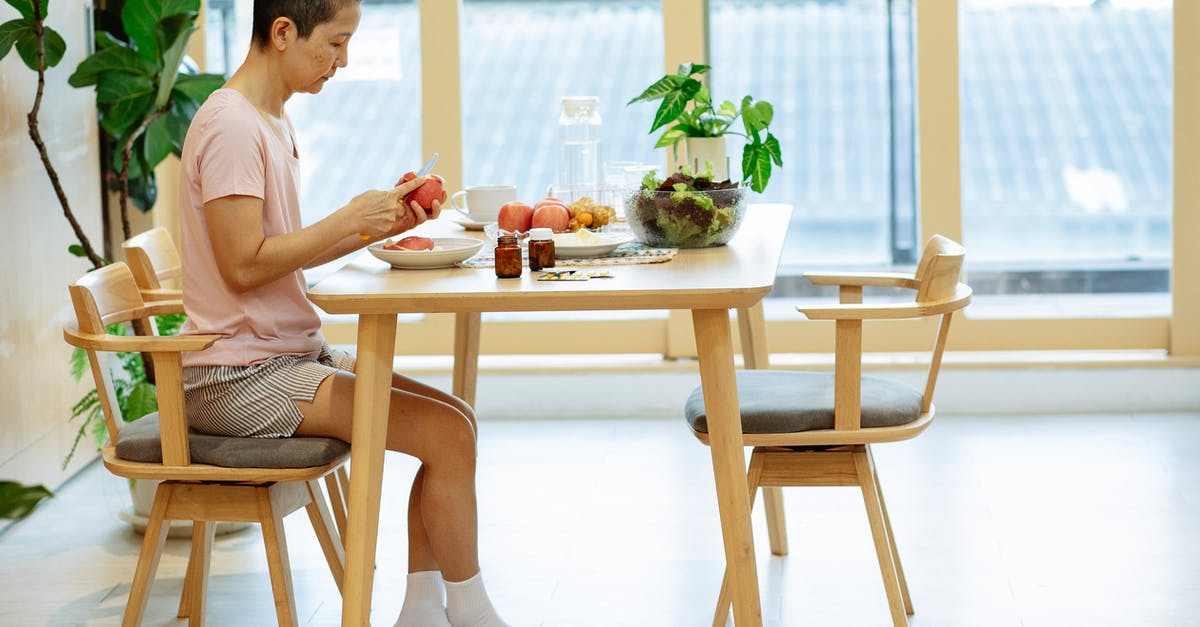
(231, 150)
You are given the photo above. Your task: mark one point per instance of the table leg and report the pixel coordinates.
(753, 327)
(714, 346)
(372, 392)
(466, 355)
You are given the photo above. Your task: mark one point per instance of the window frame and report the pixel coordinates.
(939, 200)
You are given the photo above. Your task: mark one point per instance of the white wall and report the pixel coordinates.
(36, 391)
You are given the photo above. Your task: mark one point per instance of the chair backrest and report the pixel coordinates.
(107, 296)
(153, 258)
(937, 275)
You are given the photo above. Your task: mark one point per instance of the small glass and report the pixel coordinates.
(508, 257)
(541, 248)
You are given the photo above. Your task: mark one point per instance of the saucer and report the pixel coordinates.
(471, 225)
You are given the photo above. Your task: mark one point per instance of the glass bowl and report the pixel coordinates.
(687, 219)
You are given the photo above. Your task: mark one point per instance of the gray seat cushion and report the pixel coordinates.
(781, 401)
(139, 442)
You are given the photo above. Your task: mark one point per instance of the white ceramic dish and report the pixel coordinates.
(571, 246)
(471, 225)
(447, 252)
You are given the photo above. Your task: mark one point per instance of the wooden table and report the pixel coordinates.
(709, 282)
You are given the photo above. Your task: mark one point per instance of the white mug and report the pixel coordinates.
(483, 202)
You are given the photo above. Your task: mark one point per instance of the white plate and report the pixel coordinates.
(471, 225)
(447, 252)
(565, 248)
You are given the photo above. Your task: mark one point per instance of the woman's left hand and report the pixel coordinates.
(413, 216)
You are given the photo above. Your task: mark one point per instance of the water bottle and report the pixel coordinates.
(579, 172)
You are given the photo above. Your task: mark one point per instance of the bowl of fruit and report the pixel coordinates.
(685, 211)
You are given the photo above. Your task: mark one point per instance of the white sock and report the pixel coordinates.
(467, 604)
(423, 605)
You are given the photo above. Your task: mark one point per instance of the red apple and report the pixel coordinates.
(412, 242)
(515, 216)
(552, 216)
(427, 193)
(548, 201)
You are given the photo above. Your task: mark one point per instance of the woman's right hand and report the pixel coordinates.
(374, 213)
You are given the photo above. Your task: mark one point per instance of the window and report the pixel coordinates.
(838, 75)
(1066, 149)
(520, 58)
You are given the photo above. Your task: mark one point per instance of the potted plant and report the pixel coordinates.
(701, 124)
(146, 93)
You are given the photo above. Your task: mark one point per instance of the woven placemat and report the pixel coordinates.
(625, 254)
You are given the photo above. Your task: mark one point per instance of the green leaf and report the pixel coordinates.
(687, 69)
(141, 401)
(118, 59)
(756, 115)
(27, 47)
(756, 166)
(772, 146)
(79, 360)
(670, 136)
(10, 31)
(198, 87)
(660, 88)
(144, 192)
(105, 40)
(175, 31)
(26, 8)
(140, 17)
(158, 141)
(77, 250)
(125, 99)
(17, 501)
(55, 46)
(674, 104)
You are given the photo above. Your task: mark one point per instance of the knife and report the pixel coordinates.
(425, 169)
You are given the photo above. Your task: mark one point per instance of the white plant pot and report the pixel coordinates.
(701, 149)
(141, 492)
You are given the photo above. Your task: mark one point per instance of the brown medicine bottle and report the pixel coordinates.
(541, 248)
(508, 257)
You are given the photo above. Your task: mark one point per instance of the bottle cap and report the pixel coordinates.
(577, 104)
(541, 233)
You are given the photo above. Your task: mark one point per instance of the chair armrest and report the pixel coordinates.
(873, 279)
(138, 343)
(161, 294)
(163, 307)
(962, 296)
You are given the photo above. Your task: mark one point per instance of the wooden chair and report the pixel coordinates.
(203, 478)
(154, 260)
(816, 429)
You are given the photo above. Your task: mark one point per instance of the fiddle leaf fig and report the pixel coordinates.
(141, 19)
(22, 35)
(114, 58)
(26, 8)
(173, 38)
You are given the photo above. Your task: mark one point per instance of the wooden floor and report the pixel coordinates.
(1034, 521)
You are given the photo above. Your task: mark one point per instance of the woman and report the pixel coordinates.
(271, 373)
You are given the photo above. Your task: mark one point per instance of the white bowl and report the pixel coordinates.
(447, 251)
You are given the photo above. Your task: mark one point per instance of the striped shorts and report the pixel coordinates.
(257, 401)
